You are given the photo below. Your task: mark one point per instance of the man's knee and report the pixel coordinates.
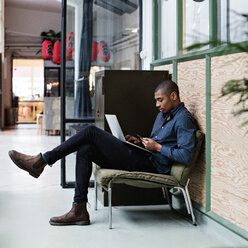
(93, 131)
(94, 134)
(85, 150)
(90, 128)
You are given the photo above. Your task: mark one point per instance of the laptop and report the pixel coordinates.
(117, 132)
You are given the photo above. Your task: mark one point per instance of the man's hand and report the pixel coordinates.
(133, 139)
(151, 145)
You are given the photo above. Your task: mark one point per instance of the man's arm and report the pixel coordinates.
(151, 145)
(184, 151)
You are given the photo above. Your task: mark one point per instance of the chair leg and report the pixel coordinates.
(190, 204)
(185, 199)
(95, 195)
(110, 207)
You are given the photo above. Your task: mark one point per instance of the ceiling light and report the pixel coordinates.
(133, 30)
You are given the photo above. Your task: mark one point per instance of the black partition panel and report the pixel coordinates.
(129, 95)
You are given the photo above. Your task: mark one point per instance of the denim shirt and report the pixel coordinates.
(175, 131)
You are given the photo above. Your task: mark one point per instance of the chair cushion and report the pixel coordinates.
(179, 173)
(106, 177)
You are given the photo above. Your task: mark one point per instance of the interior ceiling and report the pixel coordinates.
(55, 5)
(119, 7)
(42, 5)
(15, 38)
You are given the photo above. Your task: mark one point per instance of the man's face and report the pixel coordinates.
(164, 102)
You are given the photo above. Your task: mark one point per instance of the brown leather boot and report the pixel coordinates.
(78, 215)
(32, 164)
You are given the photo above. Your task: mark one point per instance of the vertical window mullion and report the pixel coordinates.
(155, 30)
(213, 22)
(179, 26)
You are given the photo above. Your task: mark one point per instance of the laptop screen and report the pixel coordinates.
(115, 127)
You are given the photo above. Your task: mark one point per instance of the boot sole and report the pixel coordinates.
(79, 223)
(30, 172)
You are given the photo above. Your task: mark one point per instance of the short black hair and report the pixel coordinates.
(167, 87)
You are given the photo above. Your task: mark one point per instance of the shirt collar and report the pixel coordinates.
(173, 111)
(176, 109)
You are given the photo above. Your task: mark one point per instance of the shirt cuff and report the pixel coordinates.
(166, 151)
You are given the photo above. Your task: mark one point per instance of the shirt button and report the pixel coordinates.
(156, 136)
(162, 127)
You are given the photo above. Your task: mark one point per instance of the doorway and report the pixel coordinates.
(28, 89)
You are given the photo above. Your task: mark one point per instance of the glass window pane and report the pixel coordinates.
(100, 35)
(115, 45)
(196, 22)
(168, 42)
(233, 26)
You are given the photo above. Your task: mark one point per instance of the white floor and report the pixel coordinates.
(26, 205)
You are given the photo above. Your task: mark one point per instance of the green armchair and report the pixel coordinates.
(178, 179)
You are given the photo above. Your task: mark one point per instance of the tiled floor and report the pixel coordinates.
(26, 204)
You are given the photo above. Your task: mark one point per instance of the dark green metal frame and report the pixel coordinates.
(179, 26)
(155, 30)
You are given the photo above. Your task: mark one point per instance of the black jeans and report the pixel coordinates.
(95, 145)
